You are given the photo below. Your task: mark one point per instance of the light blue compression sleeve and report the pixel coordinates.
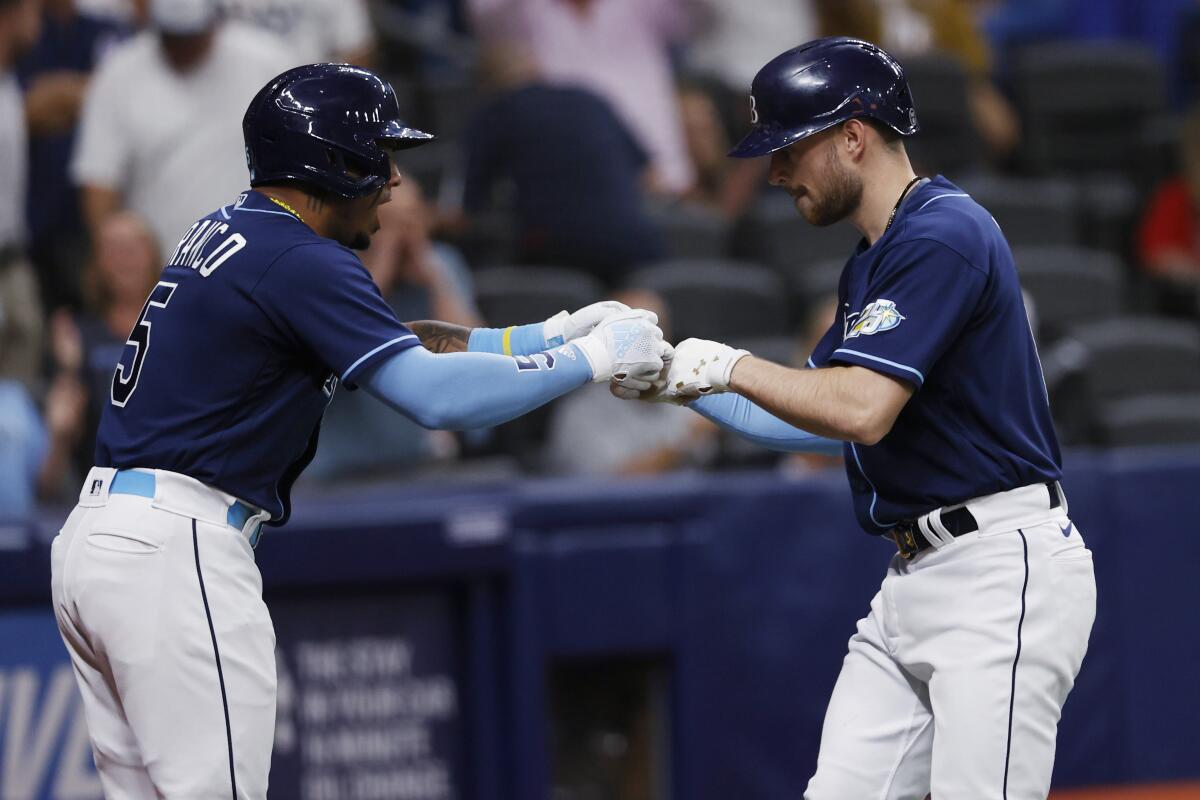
(516, 340)
(458, 391)
(756, 424)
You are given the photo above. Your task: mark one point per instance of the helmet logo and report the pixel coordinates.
(753, 111)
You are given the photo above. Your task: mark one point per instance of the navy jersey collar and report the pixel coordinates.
(916, 198)
(255, 201)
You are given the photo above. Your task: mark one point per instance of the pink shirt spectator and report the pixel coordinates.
(616, 48)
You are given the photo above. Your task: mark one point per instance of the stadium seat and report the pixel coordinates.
(516, 295)
(1151, 420)
(1085, 104)
(773, 233)
(808, 284)
(947, 142)
(718, 298)
(1030, 211)
(692, 231)
(1070, 285)
(1097, 371)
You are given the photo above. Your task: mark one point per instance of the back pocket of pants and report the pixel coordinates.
(122, 542)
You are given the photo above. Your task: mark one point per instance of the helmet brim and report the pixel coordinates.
(398, 137)
(763, 140)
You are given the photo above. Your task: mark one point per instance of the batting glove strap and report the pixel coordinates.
(701, 367)
(566, 326)
(597, 356)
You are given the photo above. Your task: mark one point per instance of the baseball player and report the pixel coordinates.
(955, 680)
(261, 312)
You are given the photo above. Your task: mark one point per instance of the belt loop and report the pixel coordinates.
(1062, 496)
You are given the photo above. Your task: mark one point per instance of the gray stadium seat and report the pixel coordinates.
(1097, 371)
(1085, 104)
(692, 231)
(1030, 211)
(1070, 285)
(773, 233)
(947, 142)
(718, 298)
(1151, 420)
(809, 284)
(512, 295)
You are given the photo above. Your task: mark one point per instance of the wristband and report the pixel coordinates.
(515, 340)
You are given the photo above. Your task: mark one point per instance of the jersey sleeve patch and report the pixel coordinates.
(879, 316)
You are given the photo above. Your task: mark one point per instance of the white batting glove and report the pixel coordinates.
(565, 326)
(626, 347)
(699, 367)
(650, 390)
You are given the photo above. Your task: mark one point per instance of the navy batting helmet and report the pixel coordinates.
(327, 126)
(819, 84)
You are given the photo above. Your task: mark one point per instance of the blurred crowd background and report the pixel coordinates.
(580, 155)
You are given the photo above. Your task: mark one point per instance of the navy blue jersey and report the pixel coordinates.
(239, 349)
(936, 302)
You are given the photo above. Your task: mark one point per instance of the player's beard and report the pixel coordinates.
(840, 196)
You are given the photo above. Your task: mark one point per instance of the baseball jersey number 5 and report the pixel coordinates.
(125, 377)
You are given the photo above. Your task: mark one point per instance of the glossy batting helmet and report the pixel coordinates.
(328, 126)
(819, 84)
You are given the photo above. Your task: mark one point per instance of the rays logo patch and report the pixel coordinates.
(877, 317)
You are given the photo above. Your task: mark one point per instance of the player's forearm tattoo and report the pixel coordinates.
(441, 337)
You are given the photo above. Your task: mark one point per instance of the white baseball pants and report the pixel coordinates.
(955, 681)
(160, 604)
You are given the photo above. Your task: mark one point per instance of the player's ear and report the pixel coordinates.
(852, 138)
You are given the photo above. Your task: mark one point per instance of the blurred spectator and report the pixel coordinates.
(20, 308)
(733, 39)
(617, 48)
(727, 185)
(161, 131)
(575, 168)
(420, 279)
(130, 13)
(1010, 25)
(1169, 233)
(125, 266)
(55, 75)
(315, 30)
(592, 433)
(22, 447)
(68, 453)
(914, 27)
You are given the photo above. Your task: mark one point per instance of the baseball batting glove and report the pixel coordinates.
(650, 390)
(699, 367)
(626, 347)
(565, 326)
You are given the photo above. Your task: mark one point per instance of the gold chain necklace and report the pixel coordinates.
(284, 205)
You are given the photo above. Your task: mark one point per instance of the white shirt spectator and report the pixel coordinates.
(171, 143)
(315, 30)
(591, 434)
(13, 161)
(619, 49)
(736, 38)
